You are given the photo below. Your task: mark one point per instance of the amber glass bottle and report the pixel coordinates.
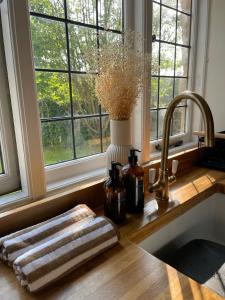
(115, 202)
(133, 176)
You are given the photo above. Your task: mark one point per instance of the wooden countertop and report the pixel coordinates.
(127, 272)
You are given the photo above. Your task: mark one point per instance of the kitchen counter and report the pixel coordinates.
(127, 271)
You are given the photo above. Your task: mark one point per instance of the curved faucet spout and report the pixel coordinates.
(161, 186)
(207, 118)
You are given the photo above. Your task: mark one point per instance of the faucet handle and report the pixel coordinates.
(175, 164)
(152, 173)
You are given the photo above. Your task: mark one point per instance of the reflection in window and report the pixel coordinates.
(170, 60)
(73, 123)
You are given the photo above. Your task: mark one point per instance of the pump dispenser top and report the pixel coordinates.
(114, 173)
(133, 158)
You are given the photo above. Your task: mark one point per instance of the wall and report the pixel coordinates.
(215, 69)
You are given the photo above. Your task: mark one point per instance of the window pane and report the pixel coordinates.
(183, 29)
(171, 3)
(162, 113)
(180, 86)
(48, 7)
(84, 99)
(156, 19)
(105, 132)
(87, 136)
(154, 93)
(184, 5)
(167, 59)
(153, 120)
(49, 43)
(110, 14)
(168, 25)
(155, 58)
(53, 94)
(82, 40)
(166, 91)
(83, 11)
(108, 37)
(57, 141)
(179, 120)
(182, 61)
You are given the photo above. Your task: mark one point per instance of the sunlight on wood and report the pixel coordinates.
(174, 284)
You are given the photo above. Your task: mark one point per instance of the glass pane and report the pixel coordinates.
(108, 37)
(184, 5)
(53, 94)
(167, 59)
(105, 132)
(168, 25)
(162, 113)
(110, 14)
(57, 141)
(179, 120)
(156, 19)
(84, 99)
(183, 29)
(83, 11)
(155, 58)
(180, 86)
(154, 93)
(82, 40)
(87, 136)
(182, 61)
(166, 91)
(48, 7)
(49, 43)
(171, 3)
(153, 125)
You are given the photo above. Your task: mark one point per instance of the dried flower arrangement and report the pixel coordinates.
(121, 71)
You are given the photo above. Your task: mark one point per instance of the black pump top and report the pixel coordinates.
(114, 172)
(133, 158)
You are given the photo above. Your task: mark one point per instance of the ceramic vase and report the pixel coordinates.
(120, 145)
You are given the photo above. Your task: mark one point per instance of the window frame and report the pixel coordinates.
(9, 179)
(186, 137)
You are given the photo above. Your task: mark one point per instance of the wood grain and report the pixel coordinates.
(127, 272)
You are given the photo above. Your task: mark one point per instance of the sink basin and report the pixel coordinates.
(201, 227)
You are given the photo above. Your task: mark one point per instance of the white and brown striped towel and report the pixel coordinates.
(16, 244)
(50, 261)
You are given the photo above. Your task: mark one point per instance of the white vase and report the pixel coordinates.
(120, 145)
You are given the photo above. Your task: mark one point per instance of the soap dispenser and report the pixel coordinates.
(133, 175)
(115, 202)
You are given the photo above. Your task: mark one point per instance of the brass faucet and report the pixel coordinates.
(161, 186)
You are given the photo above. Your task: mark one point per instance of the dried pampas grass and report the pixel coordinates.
(121, 71)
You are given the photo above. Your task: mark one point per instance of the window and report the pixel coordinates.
(73, 123)
(170, 62)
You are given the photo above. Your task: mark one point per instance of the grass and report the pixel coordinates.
(59, 153)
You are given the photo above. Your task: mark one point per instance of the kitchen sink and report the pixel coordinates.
(194, 243)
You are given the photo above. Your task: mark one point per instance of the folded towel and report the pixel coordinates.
(15, 244)
(50, 261)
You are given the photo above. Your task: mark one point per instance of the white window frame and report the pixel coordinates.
(9, 180)
(186, 137)
(37, 180)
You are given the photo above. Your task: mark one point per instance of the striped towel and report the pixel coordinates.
(50, 261)
(16, 244)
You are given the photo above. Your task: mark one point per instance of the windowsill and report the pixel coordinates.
(77, 183)
(156, 155)
(85, 178)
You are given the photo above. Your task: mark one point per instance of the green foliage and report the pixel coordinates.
(50, 52)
